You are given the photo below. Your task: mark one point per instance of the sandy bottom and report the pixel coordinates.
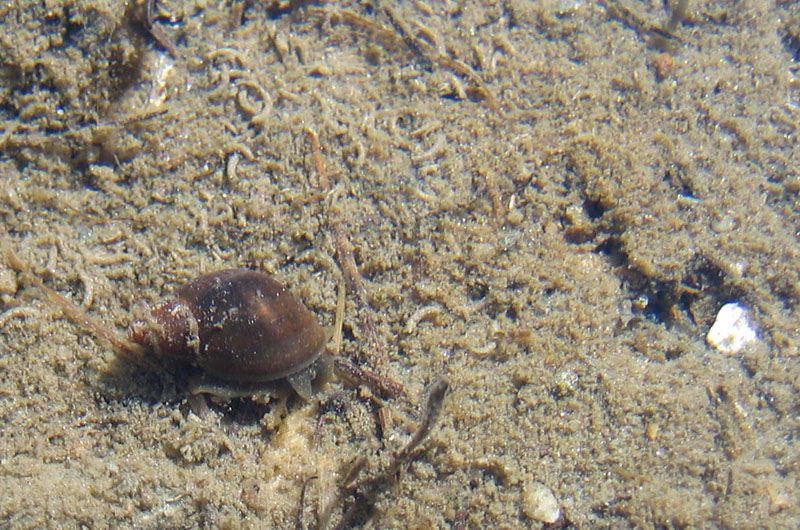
(547, 202)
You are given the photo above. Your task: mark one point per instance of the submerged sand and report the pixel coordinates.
(548, 203)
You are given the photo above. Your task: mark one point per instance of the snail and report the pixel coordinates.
(242, 328)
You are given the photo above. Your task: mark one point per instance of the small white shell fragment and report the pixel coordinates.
(732, 330)
(8, 282)
(539, 503)
(162, 69)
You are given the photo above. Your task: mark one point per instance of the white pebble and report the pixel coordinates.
(539, 503)
(732, 330)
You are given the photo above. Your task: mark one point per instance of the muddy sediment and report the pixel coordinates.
(548, 203)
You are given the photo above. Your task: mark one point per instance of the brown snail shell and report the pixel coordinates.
(238, 326)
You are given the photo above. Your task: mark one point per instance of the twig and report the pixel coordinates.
(124, 348)
(236, 15)
(355, 284)
(408, 39)
(421, 49)
(376, 382)
(300, 515)
(157, 33)
(367, 493)
(432, 411)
